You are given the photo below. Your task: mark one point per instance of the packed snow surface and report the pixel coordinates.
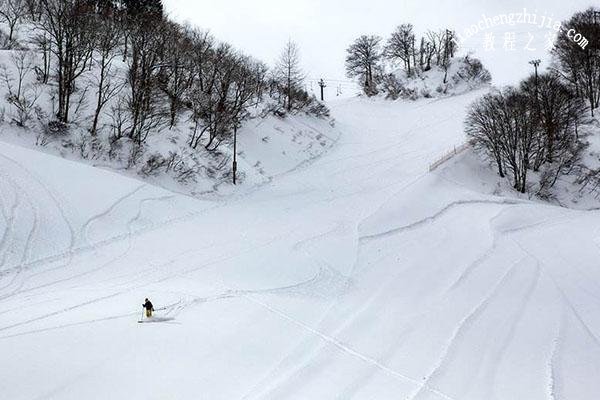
(359, 275)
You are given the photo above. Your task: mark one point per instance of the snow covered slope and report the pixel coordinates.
(358, 276)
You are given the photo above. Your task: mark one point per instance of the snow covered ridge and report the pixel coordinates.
(122, 99)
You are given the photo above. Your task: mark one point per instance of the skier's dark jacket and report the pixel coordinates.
(148, 306)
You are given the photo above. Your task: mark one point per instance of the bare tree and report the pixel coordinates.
(144, 101)
(519, 130)
(12, 11)
(22, 93)
(401, 46)
(33, 9)
(44, 45)
(204, 96)
(210, 102)
(220, 101)
(261, 72)
(107, 84)
(235, 91)
(289, 73)
(559, 113)
(363, 60)
(66, 25)
(425, 54)
(176, 74)
(202, 49)
(581, 67)
(503, 125)
(448, 52)
(442, 46)
(482, 128)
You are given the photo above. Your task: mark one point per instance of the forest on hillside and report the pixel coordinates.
(116, 80)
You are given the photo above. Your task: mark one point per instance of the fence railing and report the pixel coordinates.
(447, 156)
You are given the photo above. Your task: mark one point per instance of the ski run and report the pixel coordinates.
(358, 275)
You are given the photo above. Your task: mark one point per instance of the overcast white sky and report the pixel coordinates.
(324, 28)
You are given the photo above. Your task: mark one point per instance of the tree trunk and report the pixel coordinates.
(551, 135)
(11, 32)
(500, 169)
(93, 131)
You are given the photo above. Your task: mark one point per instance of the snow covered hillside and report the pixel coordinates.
(359, 275)
(462, 75)
(267, 147)
(285, 142)
(185, 118)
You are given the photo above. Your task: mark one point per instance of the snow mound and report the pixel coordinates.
(463, 74)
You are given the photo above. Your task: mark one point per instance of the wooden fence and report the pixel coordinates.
(447, 156)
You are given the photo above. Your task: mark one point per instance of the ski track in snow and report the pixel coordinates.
(98, 246)
(366, 305)
(9, 218)
(9, 236)
(58, 204)
(348, 350)
(86, 226)
(347, 322)
(432, 218)
(25, 255)
(553, 375)
(359, 180)
(497, 236)
(233, 293)
(463, 325)
(516, 318)
(37, 181)
(565, 300)
(462, 277)
(94, 270)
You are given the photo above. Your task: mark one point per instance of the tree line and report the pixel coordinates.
(535, 126)
(144, 72)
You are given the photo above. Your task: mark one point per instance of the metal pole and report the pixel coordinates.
(234, 153)
(322, 85)
(535, 64)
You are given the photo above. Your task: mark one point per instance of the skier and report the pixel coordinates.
(149, 308)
